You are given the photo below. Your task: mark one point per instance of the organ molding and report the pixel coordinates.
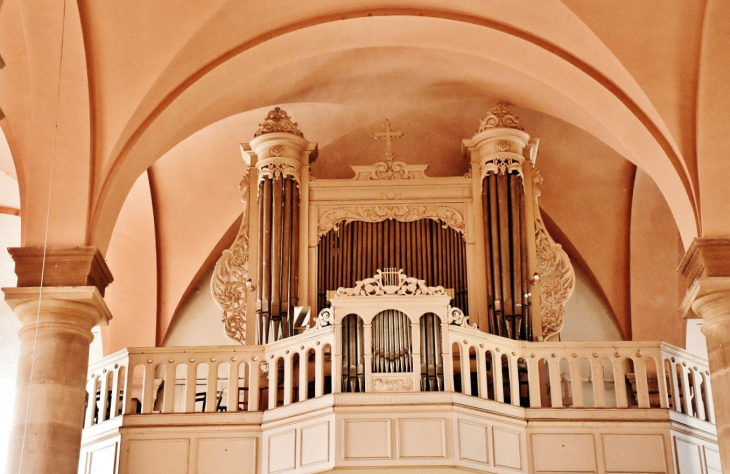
(230, 278)
(277, 121)
(557, 277)
(499, 116)
(331, 219)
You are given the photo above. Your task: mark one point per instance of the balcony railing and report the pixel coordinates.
(527, 374)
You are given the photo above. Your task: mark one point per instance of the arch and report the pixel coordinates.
(651, 146)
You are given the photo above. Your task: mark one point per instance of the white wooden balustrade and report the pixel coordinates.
(528, 374)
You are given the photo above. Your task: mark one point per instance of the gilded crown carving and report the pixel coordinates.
(499, 116)
(277, 121)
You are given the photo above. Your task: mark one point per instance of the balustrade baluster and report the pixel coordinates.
(114, 408)
(619, 382)
(232, 401)
(169, 389)
(101, 415)
(465, 360)
(699, 403)
(148, 388)
(287, 379)
(273, 381)
(661, 380)
(556, 390)
(482, 374)
(303, 375)
(676, 394)
(254, 376)
(576, 383)
(686, 390)
(514, 381)
(642, 386)
(497, 372)
(533, 378)
(319, 372)
(598, 383)
(91, 401)
(211, 388)
(708, 394)
(191, 386)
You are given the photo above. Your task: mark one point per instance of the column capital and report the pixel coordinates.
(706, 266)
(81, 306)
(64, 267)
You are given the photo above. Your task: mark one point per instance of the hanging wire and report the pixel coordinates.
(45, 243)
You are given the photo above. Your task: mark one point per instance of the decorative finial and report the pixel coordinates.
(388, 135)
(278, 122)
(499, 116)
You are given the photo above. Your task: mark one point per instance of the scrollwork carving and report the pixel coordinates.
(501, 164)
(230, 276)
(458, 318)
(278, 121)
(402, 384)
(557, 277)
(333, 218)
(390, 170)
(325, 318)
(391, 282)
(278, 169)
(499, 116)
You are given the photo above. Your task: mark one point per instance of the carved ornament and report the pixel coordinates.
(230, 278)
(390, 170)
(325, 318)
(499, 116)
(391, 282)
(277, 121)
(402, 384)
(333, 218)
(501, 164)
(275, 169)
(458, 318)
(557, 277)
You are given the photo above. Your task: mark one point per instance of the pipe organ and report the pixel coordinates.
(391, 256)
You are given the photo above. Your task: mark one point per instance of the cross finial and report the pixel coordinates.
(388, 135)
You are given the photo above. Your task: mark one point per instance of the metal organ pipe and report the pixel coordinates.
(391, 342)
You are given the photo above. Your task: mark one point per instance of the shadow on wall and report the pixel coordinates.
(587, 314)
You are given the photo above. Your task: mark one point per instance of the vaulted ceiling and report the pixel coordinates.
(154, 99)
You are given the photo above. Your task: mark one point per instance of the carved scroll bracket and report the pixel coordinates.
(391, 282)
(557, 277)
(502, 163)
(229, 283)
(325, 318)
(333, 218)
(389, 170)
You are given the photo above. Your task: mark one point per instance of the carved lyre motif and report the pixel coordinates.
(230, 278)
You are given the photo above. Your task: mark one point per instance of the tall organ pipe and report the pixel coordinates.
(422, 249)
(278, 288)
(353, 357)
(391, 342)
(432, 368)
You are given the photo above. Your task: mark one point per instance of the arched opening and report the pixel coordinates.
(432, 366)
(391, 343)
(353, 354)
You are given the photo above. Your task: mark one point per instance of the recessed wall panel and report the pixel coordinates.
(563, 453)
(103, 461)
(689, 460)
(631, 453)
(315, 444)
(227, 456)
(282, 451)
(421, 438)
(366, 439)
(473, 442)
(507, 448)
(153, 456)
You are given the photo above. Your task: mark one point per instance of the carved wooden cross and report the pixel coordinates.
(388, 135)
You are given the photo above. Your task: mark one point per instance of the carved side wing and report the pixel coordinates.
(557, 277)
(228, 285)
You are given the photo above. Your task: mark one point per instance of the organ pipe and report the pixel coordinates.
(432, 366)
(422, 249)
(279, 149)
(353, 358)
(391, 342)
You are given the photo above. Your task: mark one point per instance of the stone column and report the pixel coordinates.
(707, 269)
(54, 355)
